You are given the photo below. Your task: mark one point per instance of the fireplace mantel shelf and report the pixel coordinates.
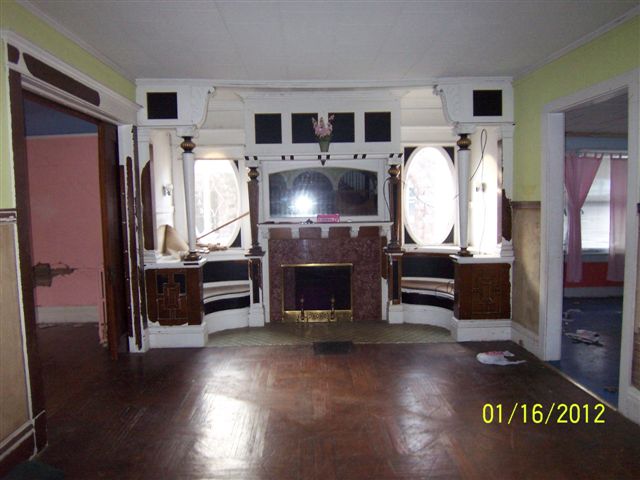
(354, 227)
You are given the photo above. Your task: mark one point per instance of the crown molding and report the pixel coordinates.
(61, 29)
(113, 106)
(607, 27)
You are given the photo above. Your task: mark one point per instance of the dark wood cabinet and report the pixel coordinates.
(482, 291)
(174, 295)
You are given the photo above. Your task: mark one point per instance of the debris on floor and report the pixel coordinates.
(611, 389)
(498, 358)
(568, 314)
(585, 336)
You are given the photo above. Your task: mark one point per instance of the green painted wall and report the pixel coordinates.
(7, 196)
(15, 18)
(608, 56)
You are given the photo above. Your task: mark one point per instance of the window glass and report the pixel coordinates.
(595, 211)
(217, 201)
(429, 196)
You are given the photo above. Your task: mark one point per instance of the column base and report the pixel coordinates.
(395, 314)
(256, 315)
(182, 336)
(191, 257)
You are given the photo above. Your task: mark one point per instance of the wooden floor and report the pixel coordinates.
(382, 412)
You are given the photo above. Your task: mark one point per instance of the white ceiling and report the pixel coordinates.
(609, 116)
(328, 41)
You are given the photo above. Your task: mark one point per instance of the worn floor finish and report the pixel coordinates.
(382, 412)
(307, 333)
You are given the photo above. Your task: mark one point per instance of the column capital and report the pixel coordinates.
(464, 128)
(190, 131)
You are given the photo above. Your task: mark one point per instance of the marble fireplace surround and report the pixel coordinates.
(363, 251)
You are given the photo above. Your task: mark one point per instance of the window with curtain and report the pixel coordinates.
(595, 212)
(217, 201)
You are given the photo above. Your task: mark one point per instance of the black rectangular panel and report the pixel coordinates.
(343, 128)
(225, 271)
(302, 127)
(162, 105)
(377, 126)
(268, 127)
(487, 103)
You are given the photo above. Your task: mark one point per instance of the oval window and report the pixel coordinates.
(217, 201)
(429, 196)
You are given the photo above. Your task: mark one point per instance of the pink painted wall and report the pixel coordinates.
(65, 216)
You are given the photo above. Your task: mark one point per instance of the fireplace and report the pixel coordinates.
(317, 292)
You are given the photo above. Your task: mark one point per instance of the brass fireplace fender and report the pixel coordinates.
(317, 316)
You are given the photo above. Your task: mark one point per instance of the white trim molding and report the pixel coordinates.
(61, 29)
(183, 336)
(113, 107)
(480, 330)
(629, 405)
(427, 315)
(551, 224)
(578, 43)
(227, 319)
(525, 338)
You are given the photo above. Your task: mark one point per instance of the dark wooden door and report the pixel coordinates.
(112, 239)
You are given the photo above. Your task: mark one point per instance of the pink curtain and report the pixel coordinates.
(617, 225)
(579, 172)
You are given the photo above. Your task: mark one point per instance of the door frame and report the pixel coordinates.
(109, 190)
(551, 225)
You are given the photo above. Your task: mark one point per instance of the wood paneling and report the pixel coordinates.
(112, 238)
(482, 291)
(174, 296)
(526, 268)
(60, 80)
(21, 177)
(383, 412)
(14, 410)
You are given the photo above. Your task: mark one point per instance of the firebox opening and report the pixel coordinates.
(317, 292)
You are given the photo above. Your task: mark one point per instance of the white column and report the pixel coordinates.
(506, 247)
(463, 164)
(188, 160)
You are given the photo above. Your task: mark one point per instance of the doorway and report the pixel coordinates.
(95, 142)
(552, 216)
(66, 227)
(595, 166)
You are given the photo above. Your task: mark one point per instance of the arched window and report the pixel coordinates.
(217, 201)
(429, 196)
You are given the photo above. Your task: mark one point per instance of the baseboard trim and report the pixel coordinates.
(18, 447)
(427, 315)
(68, 314)
(525, 338)
(631, 408)
(480, 330)
(183, 336)
(227, 319)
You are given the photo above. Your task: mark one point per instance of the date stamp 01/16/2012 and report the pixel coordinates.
(538, 414)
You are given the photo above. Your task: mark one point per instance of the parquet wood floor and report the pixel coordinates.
(383, 412)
